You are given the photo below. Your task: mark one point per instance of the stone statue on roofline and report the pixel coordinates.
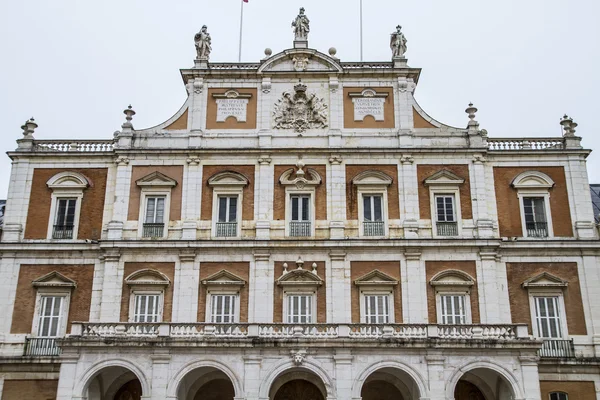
(300, 25)
(202, 41)
(398, 43)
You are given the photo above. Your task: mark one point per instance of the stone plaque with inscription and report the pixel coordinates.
(368, 102)
(232, 104)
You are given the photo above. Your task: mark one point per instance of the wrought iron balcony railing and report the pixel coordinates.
(153, 230)
(447, 228)
(317, 331)
(374, 228)
(41, 347)
(62, 232)
(553, 348)
(300, 228)
(537, 229)
(226, 229)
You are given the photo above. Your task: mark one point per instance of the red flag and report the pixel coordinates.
(245, 1)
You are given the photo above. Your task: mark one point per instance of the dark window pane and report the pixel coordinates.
(377, 208)
(222, 209)
(367, 207)
(305, 209)
(232, 209)
(295, 203)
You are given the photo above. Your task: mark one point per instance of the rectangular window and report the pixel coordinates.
(445, 208)
(65, 213)
(558, 396)
(377, 309)
(155, 210)
(372, 207)
(300, 208)
(453, 309)
(146, 308)
(299, 309)
(222, 308)
(50, 317)
(228, 208)
(535, 216)
(547, 317)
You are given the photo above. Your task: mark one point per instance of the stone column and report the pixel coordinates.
(343, 373)
(110, 307)
(121, 204)
(414, 288)
(160, 375)
(531, 378)
(68, 372)
(264, 197)
(261, 296)
(185, 293)
(409, 203)
(435, 370)
(341, 284)
(336, 183)
(489, 288)
(483, 222)
(252, 379)
(17, 201)
(192, 196)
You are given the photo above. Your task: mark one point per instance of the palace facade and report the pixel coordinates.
(300, 229)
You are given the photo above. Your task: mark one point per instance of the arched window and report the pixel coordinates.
(67, 193)
(228, 190)
(453, 296)
(533, 189)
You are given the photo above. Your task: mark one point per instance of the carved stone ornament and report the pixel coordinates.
(299, 178)
(301, 26)
(202, 40)
(300, 63)
(298, 356)
(368, 102)
(300, 111)
(232, 104)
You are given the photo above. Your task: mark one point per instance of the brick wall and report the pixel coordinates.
(34, 389)
(424, 171)
(434, 267)
(92, 205)
(25, 297)
(360, 268)
(576, 390)
(240, 269)
(520, 312)
(172, 171)
(321, 291)
(166, 268)
(207, 191)
(509, 209)
(352, 199)
(320, 192)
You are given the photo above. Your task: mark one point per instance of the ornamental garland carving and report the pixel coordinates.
(300, 111)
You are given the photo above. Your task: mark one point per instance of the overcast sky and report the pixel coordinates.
(75, 65)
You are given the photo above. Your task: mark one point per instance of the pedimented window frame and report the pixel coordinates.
(296, 183)
(223, 283)
(299, 282)
(147, 282)
(66, 185)
(534, 184)
(444, 182)
(227, 183)
(372, 182)
(546, 284)
(453, 282)
(155, 184)
(57, 285)
(377, 283)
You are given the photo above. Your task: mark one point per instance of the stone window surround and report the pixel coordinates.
(372, 183)
(300, 282)
(156, 285)
(216, 285)
(534, 184)
(453, 282)
(444, 182)
(554, 288)
(155, 185)
(377, 283)
(66, 184)
(52, 284)
(300, 186)
(227, 183)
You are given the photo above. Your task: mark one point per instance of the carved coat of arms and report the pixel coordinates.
(300, 111)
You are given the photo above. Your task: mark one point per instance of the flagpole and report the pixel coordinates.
(241, 22)
(361, 31)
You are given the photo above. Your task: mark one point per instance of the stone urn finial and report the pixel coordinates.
(28, 128)
(299, 263)
(129, 113)
(471, 110)
(567, 124)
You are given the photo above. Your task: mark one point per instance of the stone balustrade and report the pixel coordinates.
(525, 143)
(308, 331)
(76, 145)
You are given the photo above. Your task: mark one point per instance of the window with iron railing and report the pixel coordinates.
(536, 222)
(300, 223)
(547, 317)
(154, 217)
(226, 226)
(65, 218)
(446, 223)
(373, 224)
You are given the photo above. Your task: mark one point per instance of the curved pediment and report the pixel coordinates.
(452, 277)
(532, 180)
(300, 277)
(68, 180)
(228, 178)
(300, 60)
(147, 277)
(372, 177)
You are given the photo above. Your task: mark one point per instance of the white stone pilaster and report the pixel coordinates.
(489, 287)
(110, 307)
(263, 197)
(9, 268)
(185, 291)
(590, 289)
(121, 204)
(66, 380)
(340, 285)
(260, 298)
(252, 379)
(437, 381)
(160, 375)
(483, 222)
(409, 204)
(414, 288)
(531, 378)
(17, 201)
(97, 285)
(264, 109)
(578, 188)
(336, 112)
(336, 187)
(343, 373)
(192, 196)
